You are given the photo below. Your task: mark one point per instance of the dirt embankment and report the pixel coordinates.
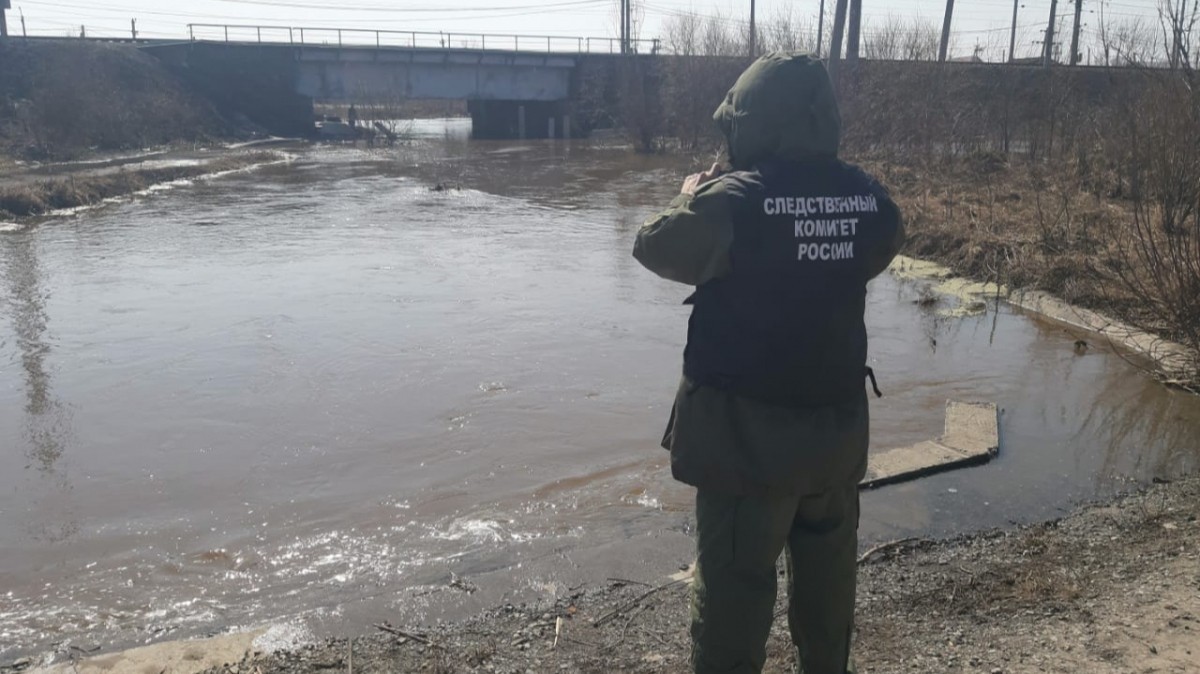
(1110, 589)
(64, 99)
(24, 196)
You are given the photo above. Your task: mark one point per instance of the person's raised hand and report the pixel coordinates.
(694, 181)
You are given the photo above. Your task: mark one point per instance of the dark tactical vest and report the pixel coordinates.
(786, 325)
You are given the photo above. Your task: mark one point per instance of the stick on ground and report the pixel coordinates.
(884, 546)
(407, 635)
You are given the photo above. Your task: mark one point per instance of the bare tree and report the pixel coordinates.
(1128, 42)
(1178, 22)
(921, 41)
(787, 32)
(884, 40)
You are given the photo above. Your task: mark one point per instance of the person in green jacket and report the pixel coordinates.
(770, 421)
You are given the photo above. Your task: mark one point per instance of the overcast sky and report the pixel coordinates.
(975, 21)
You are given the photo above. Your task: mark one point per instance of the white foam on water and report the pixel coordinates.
(284, 636)
(10, 227)
(481, 531)
(649, 502)
(165, 186)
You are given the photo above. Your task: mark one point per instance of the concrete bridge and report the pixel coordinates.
(516, 86)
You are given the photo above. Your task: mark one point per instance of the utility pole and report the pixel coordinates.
(855, 30)
(1048, 46)
(4, 6)
(624, 26)
(1075, 55)
(835, 40)
(133, 28)
(753, 33)
(1012, 39)
(821, 29)
(945, 46)
(629, 26)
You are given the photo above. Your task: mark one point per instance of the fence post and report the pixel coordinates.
(259, 29)
(377, 39)
(291, 38)
(517, 47)
(339, 38)
(227, 33)
(191, 33)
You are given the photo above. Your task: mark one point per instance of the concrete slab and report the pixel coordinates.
(1172, 358)
(971, 437)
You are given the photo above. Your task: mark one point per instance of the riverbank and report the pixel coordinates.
(28, 193)
(1111, 588)
(1027, 228)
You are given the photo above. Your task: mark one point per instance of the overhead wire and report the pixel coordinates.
(576, 7)
(293, 4)
(573, 5)
(658, 8)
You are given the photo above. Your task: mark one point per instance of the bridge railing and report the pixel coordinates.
(365, 37)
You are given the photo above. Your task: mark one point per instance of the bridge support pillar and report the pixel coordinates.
(512, 120)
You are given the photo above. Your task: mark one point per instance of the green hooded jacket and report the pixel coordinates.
(781, 108)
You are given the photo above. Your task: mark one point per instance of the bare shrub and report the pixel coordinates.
(385, 114)
(640, 107)
(1157, 255)
(71, 97)
(895, 39)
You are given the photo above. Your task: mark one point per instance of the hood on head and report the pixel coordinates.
(782, 106)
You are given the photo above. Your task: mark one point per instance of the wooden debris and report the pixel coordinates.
(884, 546)
(625, 607)
(407, 635)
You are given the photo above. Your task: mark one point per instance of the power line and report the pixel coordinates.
(588, 7)
(407, 10)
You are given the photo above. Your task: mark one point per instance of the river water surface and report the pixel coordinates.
(322, 394)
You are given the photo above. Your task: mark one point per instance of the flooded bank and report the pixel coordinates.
(324, 389)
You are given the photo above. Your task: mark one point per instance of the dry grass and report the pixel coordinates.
(64, 99)
(72, 192)
(1014, 225)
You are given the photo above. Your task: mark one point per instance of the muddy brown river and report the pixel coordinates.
(320, 395)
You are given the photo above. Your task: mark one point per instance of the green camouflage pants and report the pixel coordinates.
(740, 539)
